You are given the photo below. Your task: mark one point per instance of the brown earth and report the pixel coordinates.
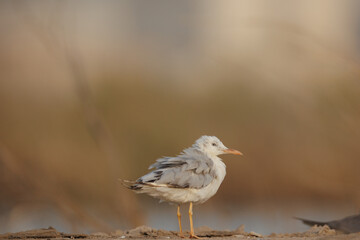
(144, 232)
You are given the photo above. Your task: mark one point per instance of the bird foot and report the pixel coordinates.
(181, 235)
(194, 236)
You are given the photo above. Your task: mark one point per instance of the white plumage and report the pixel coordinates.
(193, 176)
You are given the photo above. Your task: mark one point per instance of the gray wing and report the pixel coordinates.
(183, 171)
(349, 224)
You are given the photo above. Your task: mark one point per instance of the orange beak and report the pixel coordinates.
(233, 151)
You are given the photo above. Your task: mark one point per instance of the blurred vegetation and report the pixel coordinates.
(294, 145)
(71, 123)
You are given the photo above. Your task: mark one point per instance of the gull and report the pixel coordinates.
(191, 177)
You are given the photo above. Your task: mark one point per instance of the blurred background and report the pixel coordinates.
(93, 91)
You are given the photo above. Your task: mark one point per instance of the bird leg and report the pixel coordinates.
(192, 234)
(179, 219)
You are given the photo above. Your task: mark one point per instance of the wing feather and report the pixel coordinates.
(194, 170)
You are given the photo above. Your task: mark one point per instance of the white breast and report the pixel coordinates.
(210, 190)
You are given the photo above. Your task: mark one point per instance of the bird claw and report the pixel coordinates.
(181, 235)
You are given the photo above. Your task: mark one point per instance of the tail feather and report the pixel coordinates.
(311, 222)
(130, 184)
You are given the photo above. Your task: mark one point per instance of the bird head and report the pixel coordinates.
(212, 146)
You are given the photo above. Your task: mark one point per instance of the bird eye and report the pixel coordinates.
(214, 144)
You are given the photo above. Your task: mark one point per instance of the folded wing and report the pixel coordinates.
(184, 171)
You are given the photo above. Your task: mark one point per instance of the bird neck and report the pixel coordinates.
(193, 151)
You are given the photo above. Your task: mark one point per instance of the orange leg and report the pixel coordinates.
(179, 219)
(192, 234)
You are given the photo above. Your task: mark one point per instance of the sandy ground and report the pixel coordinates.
(144, 232)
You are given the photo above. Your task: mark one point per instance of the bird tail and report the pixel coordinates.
(311, 222)
(130, 184)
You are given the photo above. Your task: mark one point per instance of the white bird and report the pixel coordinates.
(192, 177)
